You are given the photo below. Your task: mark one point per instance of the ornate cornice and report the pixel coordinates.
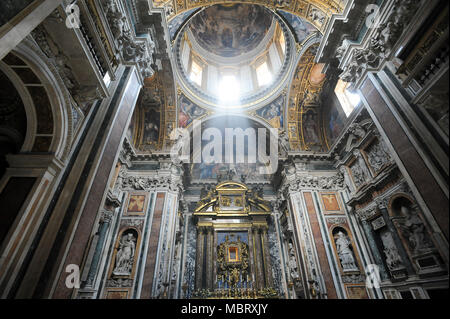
(379, 42)
(130, 49)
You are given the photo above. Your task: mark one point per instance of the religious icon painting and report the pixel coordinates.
(233, 254)
(136, 204)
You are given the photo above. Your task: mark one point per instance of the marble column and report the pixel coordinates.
(210, 280)
(373, 245)
(266, 257)
(257, 283)
(104, 224)
(199, 259)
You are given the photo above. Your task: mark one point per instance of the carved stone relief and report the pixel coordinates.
(414, 231)
(377, 156)
(393, 259)
(315, 182)
(359, 170)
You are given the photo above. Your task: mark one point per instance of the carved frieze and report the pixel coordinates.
(298, 183)
(132, 222)
(119, 283)
(353, 279)
(377, 156)
(152, 183)
(367, 213)
(337, 221)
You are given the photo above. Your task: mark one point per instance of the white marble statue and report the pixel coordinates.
(125, 255)
(293, 263)
(345, 253)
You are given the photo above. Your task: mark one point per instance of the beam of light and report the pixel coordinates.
(354, 98)
(229, 90)
(264, 75)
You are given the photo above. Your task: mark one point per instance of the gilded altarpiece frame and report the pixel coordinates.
(233, 258)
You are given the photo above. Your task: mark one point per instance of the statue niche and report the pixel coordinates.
(415, 236)
(126, 250)
(414, 229)
(345, 250)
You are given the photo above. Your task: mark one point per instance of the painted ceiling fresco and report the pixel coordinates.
(301, 28)
(176, 23)
(245, 171)
(273, 113)
(316, 12)
(188, 111)
(305, 106)
(231, 30)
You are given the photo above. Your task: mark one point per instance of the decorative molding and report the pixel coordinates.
(138, 51)
(357, 60)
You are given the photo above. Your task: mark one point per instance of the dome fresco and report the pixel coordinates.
(234, 56)
(231, 30)
(302, 29)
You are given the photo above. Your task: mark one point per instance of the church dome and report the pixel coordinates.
(233, 56)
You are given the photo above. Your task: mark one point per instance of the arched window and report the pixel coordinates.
(348, 99)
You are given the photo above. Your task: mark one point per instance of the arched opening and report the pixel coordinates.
(230, 149)
(34, 133)
(13, 121)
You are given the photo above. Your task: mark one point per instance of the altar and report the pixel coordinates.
(232, 249)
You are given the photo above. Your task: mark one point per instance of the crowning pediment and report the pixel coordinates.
(232, 198)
